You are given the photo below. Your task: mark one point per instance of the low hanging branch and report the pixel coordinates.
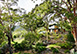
(67, 6)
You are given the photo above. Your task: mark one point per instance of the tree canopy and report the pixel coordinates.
(62, 12)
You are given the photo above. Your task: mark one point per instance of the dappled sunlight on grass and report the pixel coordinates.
(19, 40)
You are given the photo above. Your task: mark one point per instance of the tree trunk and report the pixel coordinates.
(74, 32)
(75, 28)
(9, 43)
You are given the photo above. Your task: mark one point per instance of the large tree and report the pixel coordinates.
(66, 10)
(50, 10)
(9, 16)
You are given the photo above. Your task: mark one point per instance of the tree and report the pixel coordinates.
(37, 18)
(68, 13)
(8, 18)
(31, 22)
(64, 10)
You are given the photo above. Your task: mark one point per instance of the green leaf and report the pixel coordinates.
(55, 46)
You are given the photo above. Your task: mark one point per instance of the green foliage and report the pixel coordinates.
(8, 18)
(1, 39)
(67, 51)
(32, 22)
(31, 37)
(3, 43)
(54, 50)
(21, 46)
(53, 45)
(17, 46)
(1, 32)
(39, 47)
(70, 37)
(66, 45)
(65, 25)
(26, 45)
(68, 15)
(39, 17)
(13, 28)
(39, 44)
(75, 19)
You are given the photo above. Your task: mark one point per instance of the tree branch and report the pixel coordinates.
(67, 6)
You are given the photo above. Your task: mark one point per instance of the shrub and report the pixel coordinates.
(31, 38)
(22, 46)
(27, 43)
(17, 46)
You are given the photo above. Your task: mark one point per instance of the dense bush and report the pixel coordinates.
(18, 46)
(30, 39)
(22, 46)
